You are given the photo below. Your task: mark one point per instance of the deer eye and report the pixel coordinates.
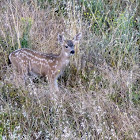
(66, 46)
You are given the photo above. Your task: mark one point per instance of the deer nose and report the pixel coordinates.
(72, 52)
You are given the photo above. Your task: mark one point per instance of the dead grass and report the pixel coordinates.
(99, 94)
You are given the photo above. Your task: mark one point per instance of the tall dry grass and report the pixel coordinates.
(99, 94)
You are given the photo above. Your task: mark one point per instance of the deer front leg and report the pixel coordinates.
(53, 85)
(56, 85)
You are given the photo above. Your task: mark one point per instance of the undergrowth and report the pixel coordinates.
(99, 94)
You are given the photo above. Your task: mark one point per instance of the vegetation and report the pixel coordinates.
(99, 94)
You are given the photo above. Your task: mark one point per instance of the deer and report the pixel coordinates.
(50, 66)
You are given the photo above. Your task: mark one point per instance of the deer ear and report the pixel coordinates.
(60, 38)
(77, 37)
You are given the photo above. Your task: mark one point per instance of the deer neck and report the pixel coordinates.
(64, 58)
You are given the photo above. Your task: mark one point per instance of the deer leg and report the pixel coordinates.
(22, 73)
(53, 85)
(56, 85)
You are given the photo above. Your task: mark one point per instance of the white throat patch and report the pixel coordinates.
(66, 54)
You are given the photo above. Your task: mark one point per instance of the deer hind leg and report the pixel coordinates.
(24, 73)
(21, 73)
(16, 73)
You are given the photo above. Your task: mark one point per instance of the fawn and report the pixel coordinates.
(50, 66)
